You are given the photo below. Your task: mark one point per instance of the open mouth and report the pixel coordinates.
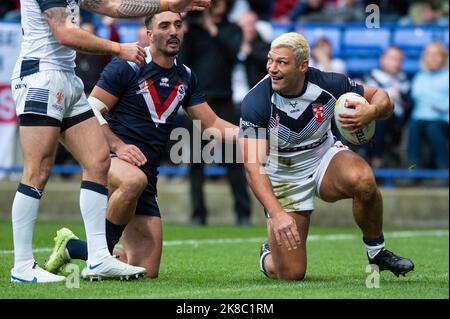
(173, 42)
(276, 78)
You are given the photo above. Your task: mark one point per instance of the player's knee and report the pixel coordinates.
(99, 165)
(292, 274)
(364, 184)
(133, 184)
(38, 176)
(152, 273)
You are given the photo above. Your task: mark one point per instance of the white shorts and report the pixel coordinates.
(295, 197)
(51, 93)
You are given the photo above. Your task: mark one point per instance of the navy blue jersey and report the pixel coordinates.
(149, 98)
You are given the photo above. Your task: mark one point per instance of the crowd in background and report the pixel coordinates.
(227, 48)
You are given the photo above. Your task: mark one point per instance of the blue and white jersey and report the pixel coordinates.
(40, 50)
(298, 127)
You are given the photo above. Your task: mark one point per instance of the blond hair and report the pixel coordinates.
(444, 53)
(294, 41)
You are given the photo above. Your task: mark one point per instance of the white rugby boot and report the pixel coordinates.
(112, 268)
(35, 274)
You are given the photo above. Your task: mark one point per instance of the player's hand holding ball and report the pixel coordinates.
(355, 118)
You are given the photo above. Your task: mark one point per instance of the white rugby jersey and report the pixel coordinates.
(40, 50)
(298, 128)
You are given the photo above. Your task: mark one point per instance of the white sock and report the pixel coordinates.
(374, 246)
(93, 203)
(24, 214)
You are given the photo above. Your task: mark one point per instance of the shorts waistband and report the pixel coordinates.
(30, 66)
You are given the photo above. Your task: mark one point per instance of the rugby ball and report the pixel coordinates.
(363, 135)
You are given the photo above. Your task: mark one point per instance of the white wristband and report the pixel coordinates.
(97, 106)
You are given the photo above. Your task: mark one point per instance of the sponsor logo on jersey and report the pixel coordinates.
(164, 82)
(21, 86)
(318, 112)
(294, 107)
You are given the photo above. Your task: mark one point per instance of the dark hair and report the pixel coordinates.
(149, 19)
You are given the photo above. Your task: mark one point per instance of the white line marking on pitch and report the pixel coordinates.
(196, 242)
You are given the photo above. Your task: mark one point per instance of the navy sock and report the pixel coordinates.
(374, 242)
(77, 249)
(113, 234)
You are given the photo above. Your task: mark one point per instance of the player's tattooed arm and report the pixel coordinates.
(141, 8)
(124, 8)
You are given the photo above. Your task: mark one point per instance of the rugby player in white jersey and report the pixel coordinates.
(51, 106)
(287, 117)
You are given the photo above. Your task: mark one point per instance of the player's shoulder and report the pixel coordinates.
(331, 82)
(322, 78)
(260, 94)
(118, 64)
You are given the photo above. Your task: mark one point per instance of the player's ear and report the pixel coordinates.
(303, 66)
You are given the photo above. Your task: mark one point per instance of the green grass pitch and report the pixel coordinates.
(222, 262)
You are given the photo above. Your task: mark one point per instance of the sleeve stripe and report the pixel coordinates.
(48, 4)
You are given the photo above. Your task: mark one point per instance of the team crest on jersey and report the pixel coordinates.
(181, 92)
(318, 112)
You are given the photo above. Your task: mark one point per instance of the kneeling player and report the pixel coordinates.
(288, 115)
(142, 103)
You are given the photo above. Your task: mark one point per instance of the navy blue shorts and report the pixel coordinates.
(148, 203)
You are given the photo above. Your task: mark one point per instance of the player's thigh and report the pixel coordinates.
(142, 240)
(291, 264)
(127, 177)
(39, 149)
(345, 173)
(86, 142)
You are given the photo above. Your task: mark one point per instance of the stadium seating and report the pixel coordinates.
(412, 40)
(360, 41)
(314, 32)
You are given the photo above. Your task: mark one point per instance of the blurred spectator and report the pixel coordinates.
(281, 9)
(210, 32)
(252, 58)
(430, 115)
(427, 12)
(383, 151)
(262, 8)
(10, 10)
(392, 11)
(305, 7)
(328, 11)
(142, 36)
(322, 57)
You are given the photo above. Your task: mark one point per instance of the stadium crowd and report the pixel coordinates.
(415, 136)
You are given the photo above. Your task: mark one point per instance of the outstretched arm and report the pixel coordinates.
(220, 128)
(70, 35)
(141, 8)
